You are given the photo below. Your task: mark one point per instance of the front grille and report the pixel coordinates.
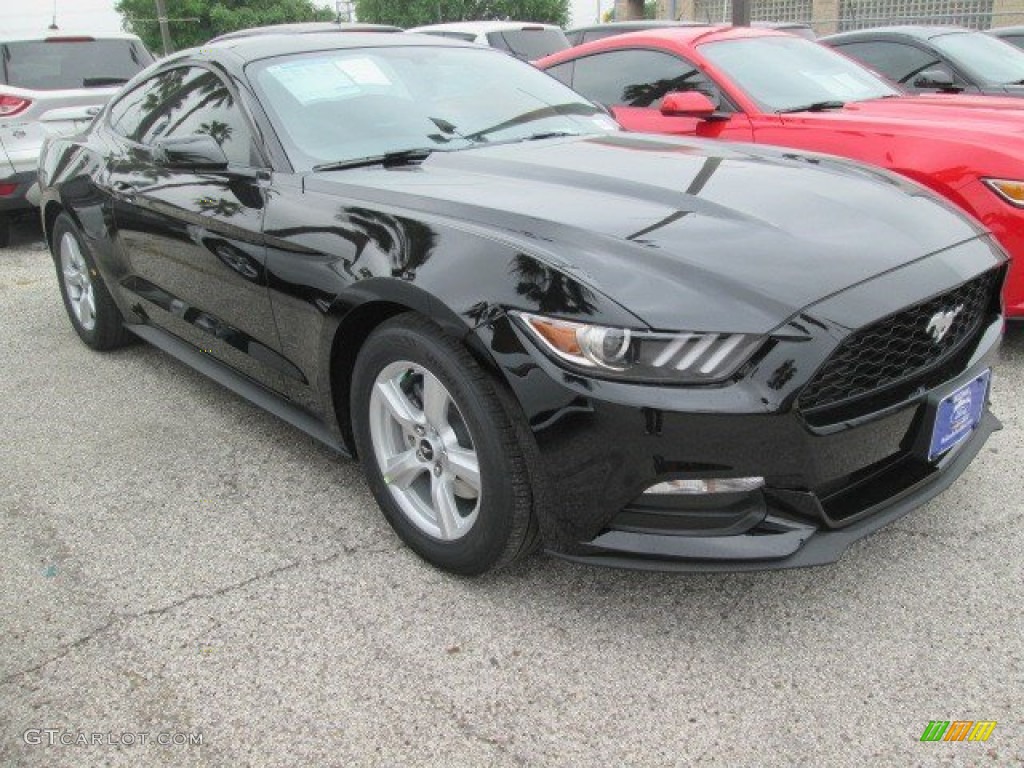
(900, 348)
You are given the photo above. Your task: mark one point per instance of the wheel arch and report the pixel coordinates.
(379, 304)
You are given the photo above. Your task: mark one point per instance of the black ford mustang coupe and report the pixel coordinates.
(532, 328)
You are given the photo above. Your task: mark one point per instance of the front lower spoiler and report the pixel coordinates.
(778, 542)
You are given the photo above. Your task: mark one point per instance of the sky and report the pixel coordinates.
(98, 16)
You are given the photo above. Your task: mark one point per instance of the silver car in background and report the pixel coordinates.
(523, 39)
(53, 85)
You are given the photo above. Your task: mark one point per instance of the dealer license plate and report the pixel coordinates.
(958, 415)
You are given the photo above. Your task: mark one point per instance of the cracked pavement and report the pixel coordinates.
(178, 562)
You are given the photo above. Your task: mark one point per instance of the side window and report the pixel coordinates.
(638, 78)
(897, 61)
(562, 72)
(1017, 40)
(185, 102)
(126, 113)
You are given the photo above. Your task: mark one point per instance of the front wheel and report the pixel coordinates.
(440, 448)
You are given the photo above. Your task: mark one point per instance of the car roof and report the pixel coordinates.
(915, 31)
(306, 28)
(26, 37)
(691, 35)
(1002, 31)
(483, 27)
(645, 24)
(255, 47)
(686, 36)
(637, 25)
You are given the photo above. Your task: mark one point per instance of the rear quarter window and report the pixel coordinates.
(529, 44)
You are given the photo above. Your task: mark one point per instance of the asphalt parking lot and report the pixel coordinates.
(181, 567)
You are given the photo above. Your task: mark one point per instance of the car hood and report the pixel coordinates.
(682, 233)
(931, 114)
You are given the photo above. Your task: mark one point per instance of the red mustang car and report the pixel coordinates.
(768, 87)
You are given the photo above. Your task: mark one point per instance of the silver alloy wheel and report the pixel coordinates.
(77, 282)
(424, 450)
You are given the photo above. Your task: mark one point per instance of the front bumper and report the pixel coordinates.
(828, 480)
(779, 540)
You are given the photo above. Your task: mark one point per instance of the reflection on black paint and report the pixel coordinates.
(212, 325)
(781, 375)
(550, 290)
(696, 186)
(407, 243)
(217, 206)
(235, 259)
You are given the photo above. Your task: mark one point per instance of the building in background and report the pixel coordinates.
(827, 16)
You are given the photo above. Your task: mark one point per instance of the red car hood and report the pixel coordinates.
(931, 114)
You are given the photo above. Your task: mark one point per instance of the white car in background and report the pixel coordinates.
(53, 85)
(522, 39)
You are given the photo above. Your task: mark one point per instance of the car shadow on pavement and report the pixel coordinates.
(26, 232)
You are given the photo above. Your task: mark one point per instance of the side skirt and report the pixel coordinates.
(239, 384)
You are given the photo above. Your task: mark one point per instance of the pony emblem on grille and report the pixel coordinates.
(941, 322)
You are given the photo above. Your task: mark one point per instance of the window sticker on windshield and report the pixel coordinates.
(362, 71)
(852, 84)
(838, 85)
(313, 80)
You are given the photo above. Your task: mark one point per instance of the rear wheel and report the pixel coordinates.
(440, 449)
(92, 311)
(5, 230)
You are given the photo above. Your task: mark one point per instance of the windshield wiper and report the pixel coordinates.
(814, 106)
(547, 135)
(99, 82)
(388, 160)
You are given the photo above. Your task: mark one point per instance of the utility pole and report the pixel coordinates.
(165, 33)
(741, 13)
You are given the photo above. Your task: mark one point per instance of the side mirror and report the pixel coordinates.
(939, 79)
(687, 104)
(198, 152)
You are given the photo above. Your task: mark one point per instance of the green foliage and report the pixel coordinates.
(415, 13)
(215, 17)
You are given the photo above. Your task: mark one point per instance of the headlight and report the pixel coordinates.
(1011, 191)
(621, 353)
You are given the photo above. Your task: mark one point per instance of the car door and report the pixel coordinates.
(632, 82)
(192, 239)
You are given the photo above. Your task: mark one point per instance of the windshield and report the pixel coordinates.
(785, 73)
(333, 106)
(69, 63)
(984, 58)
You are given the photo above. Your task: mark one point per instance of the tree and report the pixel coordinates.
(414, 13)
(215, 17)
(650, 12)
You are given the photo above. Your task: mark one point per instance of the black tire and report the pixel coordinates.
(108, 332)
(5, 230)
(505, 529)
